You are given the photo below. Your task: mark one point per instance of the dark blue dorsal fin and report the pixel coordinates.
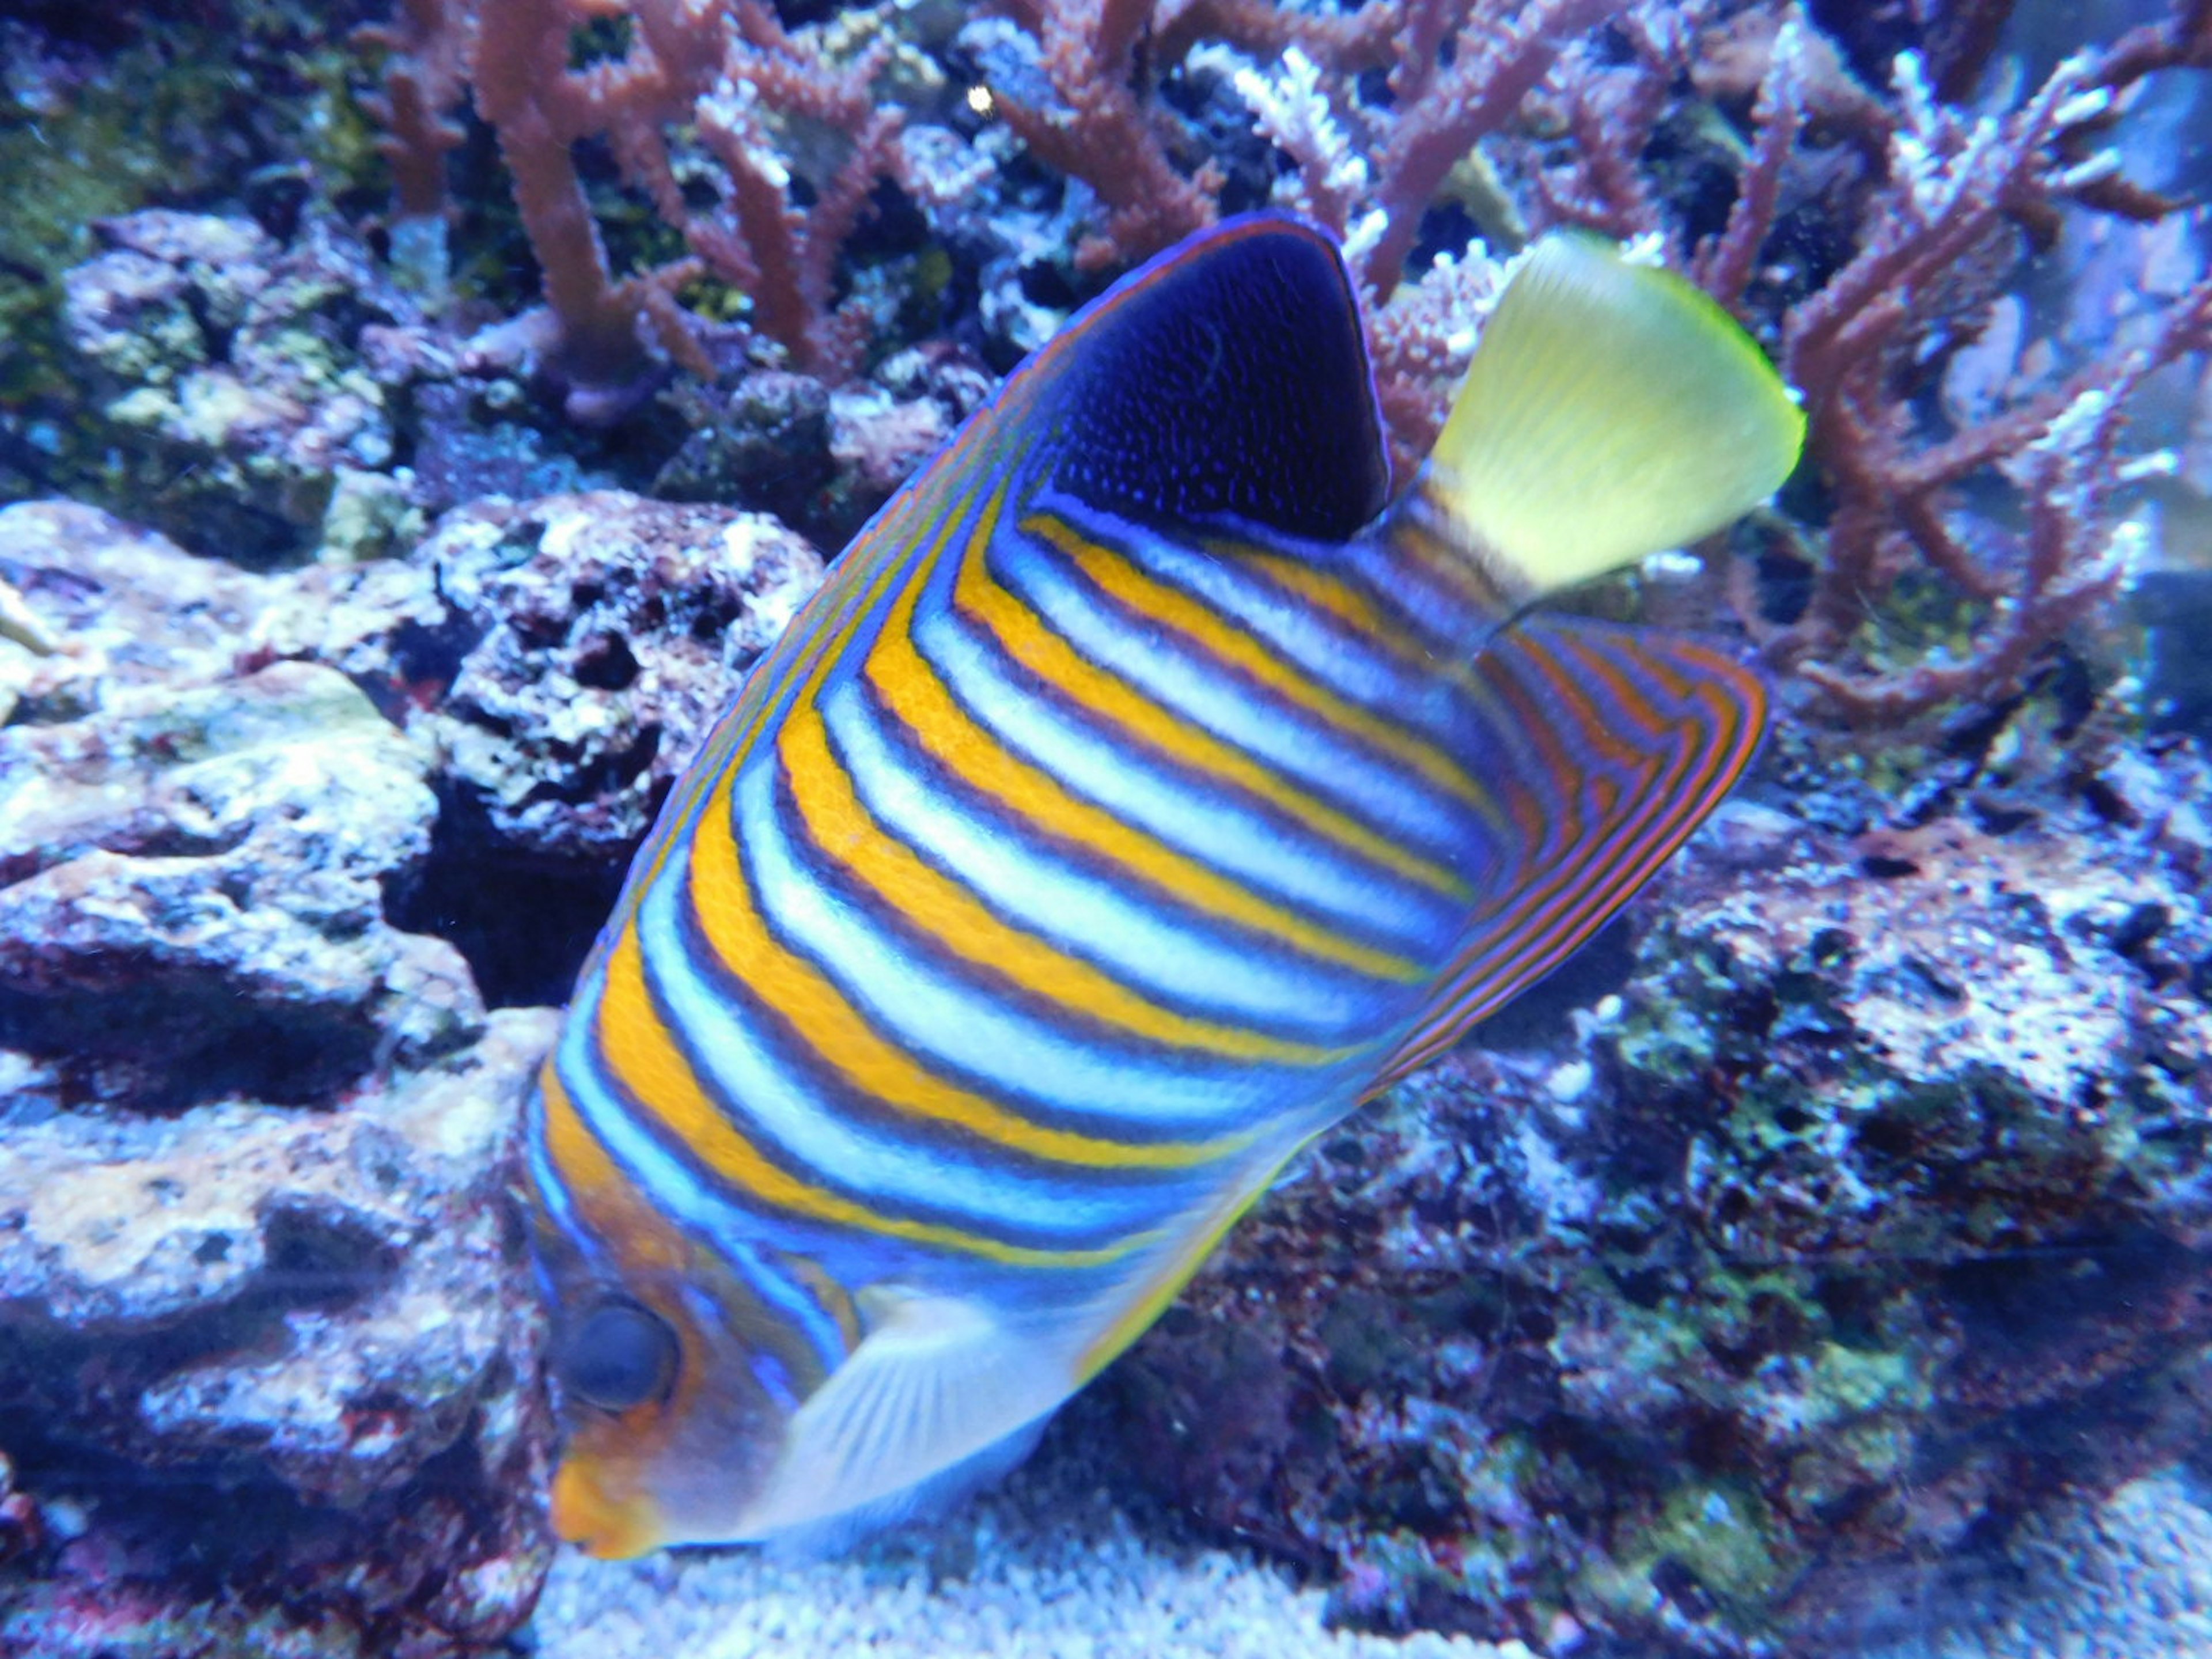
(1227, 378)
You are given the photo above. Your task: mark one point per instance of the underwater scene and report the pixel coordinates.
(1105, 828)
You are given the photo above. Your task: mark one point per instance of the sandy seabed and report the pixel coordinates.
(1040, 1570)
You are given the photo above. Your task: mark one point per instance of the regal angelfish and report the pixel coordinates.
(1139, 797)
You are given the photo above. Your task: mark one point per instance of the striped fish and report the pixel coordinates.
(1137, 798)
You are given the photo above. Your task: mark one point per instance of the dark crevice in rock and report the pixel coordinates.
(198, 1530)
(187, 1043)
(426, 660)
(1540, 1017)
(322, 1261)
(523, 925)
(605, 774)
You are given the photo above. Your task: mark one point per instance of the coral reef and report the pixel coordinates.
(731, 74)
(564, 654)
(1867, 219)
(1820, 1231)
(236, 1368)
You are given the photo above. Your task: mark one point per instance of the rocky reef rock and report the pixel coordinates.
(565, 655)
(133, 609)
(232, 395)
(560, 659)
(268, 1338)
(193, 900)
(1873, 1208)
(269, 1374)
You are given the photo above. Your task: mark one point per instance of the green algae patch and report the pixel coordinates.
(86, 147)
(1849, 1382)
(1714, 1547)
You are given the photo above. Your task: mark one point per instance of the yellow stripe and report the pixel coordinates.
(1122, 580)
(807, 643)
(841, 826)
(1024, 637)
(837, 1032)
(957, 920)
(638, 1048)
(1326, 590)
(910, 689)
(1322, 590)
(843, 1038)
(608, 1201)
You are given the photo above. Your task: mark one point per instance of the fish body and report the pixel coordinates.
(1137, 797)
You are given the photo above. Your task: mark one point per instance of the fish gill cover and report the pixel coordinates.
(414, 421)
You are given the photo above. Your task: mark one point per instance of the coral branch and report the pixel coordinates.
(728, 68)
(2068, 561)
(429, 45)
(1098, 130)
(1494, 66)
(520, 70)
(1724, 267)
(1937, 256)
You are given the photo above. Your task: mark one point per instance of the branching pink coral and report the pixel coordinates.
(1443, 111)
(1102, 132)
(427, 44)
(727, 67)
(1529, 114)
(1458, 70)
(757, 240)
(540, 108)
(1939, 245)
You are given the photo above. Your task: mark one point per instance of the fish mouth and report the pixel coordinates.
(603, 1525)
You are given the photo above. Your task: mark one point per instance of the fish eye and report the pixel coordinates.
(621, 1356)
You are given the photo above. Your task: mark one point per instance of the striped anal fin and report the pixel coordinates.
(1614, 744)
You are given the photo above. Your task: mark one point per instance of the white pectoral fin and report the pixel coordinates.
(937, 1382)
(944, 1393)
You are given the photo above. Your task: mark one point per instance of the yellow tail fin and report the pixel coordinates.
(1612, 410)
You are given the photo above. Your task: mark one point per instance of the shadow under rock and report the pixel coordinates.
(524, 924)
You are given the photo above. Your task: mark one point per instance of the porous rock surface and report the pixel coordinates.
(1871, 1210)
(270, 1373)
(560, 659)
(212, 858)
(268, 1338)
(564, 655)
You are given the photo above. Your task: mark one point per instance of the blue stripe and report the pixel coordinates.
(973, 1030)
(928, 1176)
(1168, 954)
(1232, 582)
(1277, 861)
(1323, 762)
(787, 1296)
